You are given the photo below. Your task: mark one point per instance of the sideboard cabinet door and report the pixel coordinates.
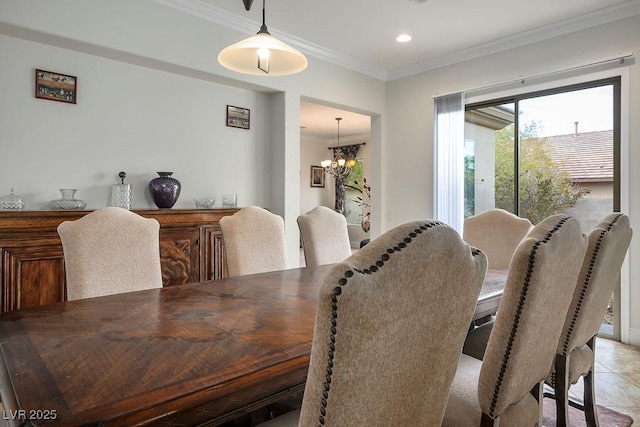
(180, 256)
(213, 254)
(32, 276)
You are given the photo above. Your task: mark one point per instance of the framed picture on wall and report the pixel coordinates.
(238, 117)
(317, 176)
(56, 86)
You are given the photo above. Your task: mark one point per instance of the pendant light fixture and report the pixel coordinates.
(339, 166)
(262, 54)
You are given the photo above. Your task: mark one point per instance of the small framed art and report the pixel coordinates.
(317, 176)
(56, 86)
(238, 117)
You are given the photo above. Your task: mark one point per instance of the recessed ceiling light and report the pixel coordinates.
(403, 38)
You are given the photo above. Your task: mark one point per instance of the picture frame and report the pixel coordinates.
(238, 117)
(56, 86)
(317, 176)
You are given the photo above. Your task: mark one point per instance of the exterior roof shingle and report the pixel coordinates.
(588, 156)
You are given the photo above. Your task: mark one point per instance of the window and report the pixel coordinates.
(356, 198)
(545, 153)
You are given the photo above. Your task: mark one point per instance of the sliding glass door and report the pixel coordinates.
(544, 153)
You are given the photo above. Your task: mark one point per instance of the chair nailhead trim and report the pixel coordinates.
(337, 291)
(516, 320)
(475, 252)
(586, 282)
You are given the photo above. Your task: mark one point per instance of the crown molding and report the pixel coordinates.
(224, 18)
(604, 16)
(230, 20)
(330, 140)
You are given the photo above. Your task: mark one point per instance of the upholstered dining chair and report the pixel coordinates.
(110, 251)
(325, 237)
(254, 241)
(497, 233)
(505, 387)
(389, 328)
(607, 246)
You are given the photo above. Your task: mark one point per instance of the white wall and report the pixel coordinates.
(409, 160)
(128, 118)
(311, 153)
(152, 96)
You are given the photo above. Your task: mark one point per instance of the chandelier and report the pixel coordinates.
(338, 167)
(262, 54)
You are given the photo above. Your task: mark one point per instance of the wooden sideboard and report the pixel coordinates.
(32, 262)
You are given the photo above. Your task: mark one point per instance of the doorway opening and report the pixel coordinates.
(318, 135)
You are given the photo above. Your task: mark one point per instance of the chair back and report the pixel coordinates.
(254, 241)
(325, 237)
(497, 233)
(389, 329)
(606, 249)
(540, 283)
(110, 251)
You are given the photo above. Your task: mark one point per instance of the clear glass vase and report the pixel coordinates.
(68, 201)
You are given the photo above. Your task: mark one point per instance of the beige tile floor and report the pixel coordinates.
(617, 378)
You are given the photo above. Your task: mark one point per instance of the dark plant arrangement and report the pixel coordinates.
(364, 201)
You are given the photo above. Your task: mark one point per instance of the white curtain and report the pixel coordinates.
(449, 160)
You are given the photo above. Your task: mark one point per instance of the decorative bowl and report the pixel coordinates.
(204, 203)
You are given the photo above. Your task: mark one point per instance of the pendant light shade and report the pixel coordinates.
(262, 54)
(243, 57)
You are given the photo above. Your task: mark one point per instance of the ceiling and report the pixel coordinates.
(318, 123)
(360, 34)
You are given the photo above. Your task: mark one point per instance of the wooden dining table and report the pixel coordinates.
(176, 356)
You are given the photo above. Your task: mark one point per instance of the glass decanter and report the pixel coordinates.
(11, 202)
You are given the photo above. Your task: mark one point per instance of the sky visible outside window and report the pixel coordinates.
(557, 114)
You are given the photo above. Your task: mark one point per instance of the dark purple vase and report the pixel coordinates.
(164, 190)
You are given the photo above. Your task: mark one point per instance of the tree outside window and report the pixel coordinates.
(545, 188)
(357, 194)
